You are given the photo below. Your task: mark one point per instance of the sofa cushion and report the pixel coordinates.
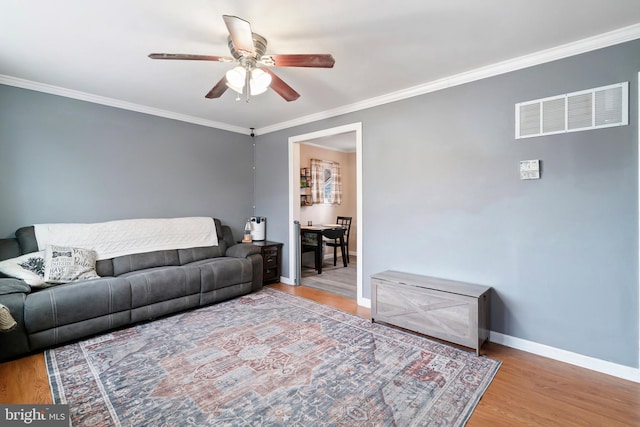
(161, 284)
(227, 236)
(26, 237)
(74, 331)
(221, 272)
(190, 255)
(28, 267)
(128, 263)
(75, 302)
(9, 248)
(104, 267)
(219, 229)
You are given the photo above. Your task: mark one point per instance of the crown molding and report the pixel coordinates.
(611, 38)
(600, 41)
(111, 102)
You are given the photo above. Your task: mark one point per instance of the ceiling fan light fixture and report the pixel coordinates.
(235, 78)
(260, 81)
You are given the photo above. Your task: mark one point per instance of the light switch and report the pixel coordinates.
(530, 169)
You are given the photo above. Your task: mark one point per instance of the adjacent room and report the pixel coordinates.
(328, 196)
(330, 213)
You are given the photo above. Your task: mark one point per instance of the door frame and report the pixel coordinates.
(294, 208)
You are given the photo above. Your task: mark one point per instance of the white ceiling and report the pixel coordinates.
(98, 49)
(344, 142)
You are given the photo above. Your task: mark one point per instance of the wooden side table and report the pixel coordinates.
(271, 260)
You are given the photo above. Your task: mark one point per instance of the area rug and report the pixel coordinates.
(266, 359)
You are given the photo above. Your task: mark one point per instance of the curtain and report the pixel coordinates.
(336, 190)
(323, 191)
(317, 189)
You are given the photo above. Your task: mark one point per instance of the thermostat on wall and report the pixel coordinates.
(530, 169)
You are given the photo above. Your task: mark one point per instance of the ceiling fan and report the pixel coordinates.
(252, 76)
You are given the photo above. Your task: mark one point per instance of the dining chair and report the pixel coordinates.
(309, 243)
(337, 235)
(312, 241)
(344, 221)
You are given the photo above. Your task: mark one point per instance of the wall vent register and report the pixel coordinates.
(596, 108)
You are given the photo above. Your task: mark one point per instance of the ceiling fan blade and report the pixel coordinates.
(188, 56)
(281, 88)
(302, 60)
(218, 89)
(240, 32)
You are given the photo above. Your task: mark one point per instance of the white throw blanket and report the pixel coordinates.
(125, 237)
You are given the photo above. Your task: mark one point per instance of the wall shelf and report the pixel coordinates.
(305, 187)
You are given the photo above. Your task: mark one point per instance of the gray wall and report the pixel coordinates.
(441, 191)
(63, 160)
(442, 197)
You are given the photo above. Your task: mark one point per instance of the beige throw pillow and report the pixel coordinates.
(65, 264)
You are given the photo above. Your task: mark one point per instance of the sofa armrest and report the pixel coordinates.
(13, 286)
(254, 254)
(242, 250)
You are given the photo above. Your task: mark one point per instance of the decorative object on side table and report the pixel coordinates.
(258, 228)
(246, 238)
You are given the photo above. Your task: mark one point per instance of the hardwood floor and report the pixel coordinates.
(337, 280)
(25, 381)
(528, 390)
(531, 390)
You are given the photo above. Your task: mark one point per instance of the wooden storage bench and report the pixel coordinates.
(453, 311)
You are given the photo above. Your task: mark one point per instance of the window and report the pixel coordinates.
(326, 183)
(327, 176)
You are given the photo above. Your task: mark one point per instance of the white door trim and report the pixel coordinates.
(294, 208)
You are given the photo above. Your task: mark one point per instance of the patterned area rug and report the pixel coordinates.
(268, 358)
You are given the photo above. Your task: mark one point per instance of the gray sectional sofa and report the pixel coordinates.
(131, 288)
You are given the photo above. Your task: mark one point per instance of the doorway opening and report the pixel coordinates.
(342, 138)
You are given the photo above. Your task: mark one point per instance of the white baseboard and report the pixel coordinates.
(286, 281)
(609, 368)
(598, 365)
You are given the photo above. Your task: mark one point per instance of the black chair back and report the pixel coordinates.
(333, 233)
(345, 221)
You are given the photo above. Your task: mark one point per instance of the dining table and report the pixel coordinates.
(313, 235)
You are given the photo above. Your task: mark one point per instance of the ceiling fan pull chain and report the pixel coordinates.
(247, 81)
